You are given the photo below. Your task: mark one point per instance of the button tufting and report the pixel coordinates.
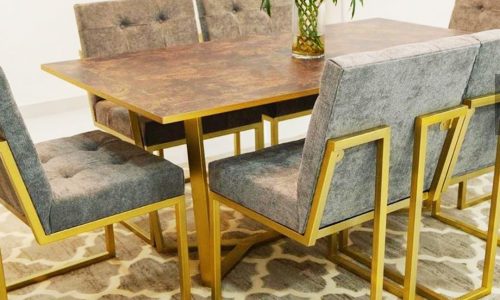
(125, 22)
(162, 17)
(236, 8)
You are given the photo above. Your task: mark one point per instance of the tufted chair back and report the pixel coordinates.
(476, 15)
(13, 130)
(231, 19)
(389, 87)
(115, 27)
(479, 147)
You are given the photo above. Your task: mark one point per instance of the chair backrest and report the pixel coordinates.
(479, 147)
(389, 87)
(13, 130)
(476, 15)
(231, 19)
(115, 27)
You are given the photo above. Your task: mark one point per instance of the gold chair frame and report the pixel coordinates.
(275, 123)
(31, 219)
(406, 286)
(152, 237)
(334, 153)
(472, 104)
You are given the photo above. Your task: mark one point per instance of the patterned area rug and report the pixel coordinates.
(450, 261)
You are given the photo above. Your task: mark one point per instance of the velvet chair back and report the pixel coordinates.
(479, 147)
(389, 87)
(232, 19)
(13, 130)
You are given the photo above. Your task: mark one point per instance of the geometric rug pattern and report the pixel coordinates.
(450, 261)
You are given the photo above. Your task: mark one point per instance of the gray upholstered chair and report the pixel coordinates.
(335, 178)
(229, 19)
(68, 186)
(476, 153)
(475, 16)
(115, 27)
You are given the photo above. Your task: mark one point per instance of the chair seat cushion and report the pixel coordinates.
(264, 181)
(293, 106)
(117, 118)
(95, 175)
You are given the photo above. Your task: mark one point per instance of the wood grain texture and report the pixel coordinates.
(185, 82)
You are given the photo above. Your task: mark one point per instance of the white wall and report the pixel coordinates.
(428, 12)
(33, 32)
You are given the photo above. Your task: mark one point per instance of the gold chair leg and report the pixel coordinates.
(139, 232)
(161, 153)
(415, 212)
(237, 143)
(3, 285)
(259, 136)
(215, 249)
(463, 202)
(81, 263)
(182, 250)
(492, 238)
(156, 231)
(274, 132)
(462, 194)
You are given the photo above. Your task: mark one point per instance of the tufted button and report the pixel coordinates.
(124, 23)
(118, 161)
(162, 17)
(236, 8)
(480, 7)
(90, 148)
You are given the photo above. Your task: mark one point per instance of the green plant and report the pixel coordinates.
(309, 40)
(266, 5)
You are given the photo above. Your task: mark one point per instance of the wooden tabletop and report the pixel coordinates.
(181, 83)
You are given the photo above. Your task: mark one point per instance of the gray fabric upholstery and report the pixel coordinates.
(95, 175)
(264, 181)
(479, 147)
(388, 87)
(476, 15)
(231, 19)
(84, 178)
(117, 118)
(114, 27)
(13, 130)
(360, 91)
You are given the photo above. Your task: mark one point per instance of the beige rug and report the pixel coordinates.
(450, 261)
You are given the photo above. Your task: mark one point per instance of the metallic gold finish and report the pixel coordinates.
(333, 153)
(182, 250)
(275, 123)
(156, 231)
(422, 123)
(237, 143)
(3, 287)
(462, 180)
(243, 246)
(14, 176)
(197, 168)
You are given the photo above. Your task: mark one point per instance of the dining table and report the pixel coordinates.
(189, 82)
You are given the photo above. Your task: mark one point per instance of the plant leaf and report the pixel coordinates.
(266, 6)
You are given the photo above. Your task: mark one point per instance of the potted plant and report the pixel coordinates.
(308, 26)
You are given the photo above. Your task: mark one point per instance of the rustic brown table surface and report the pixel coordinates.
(189, 82)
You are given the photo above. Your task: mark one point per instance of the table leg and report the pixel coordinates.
(199, 187)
